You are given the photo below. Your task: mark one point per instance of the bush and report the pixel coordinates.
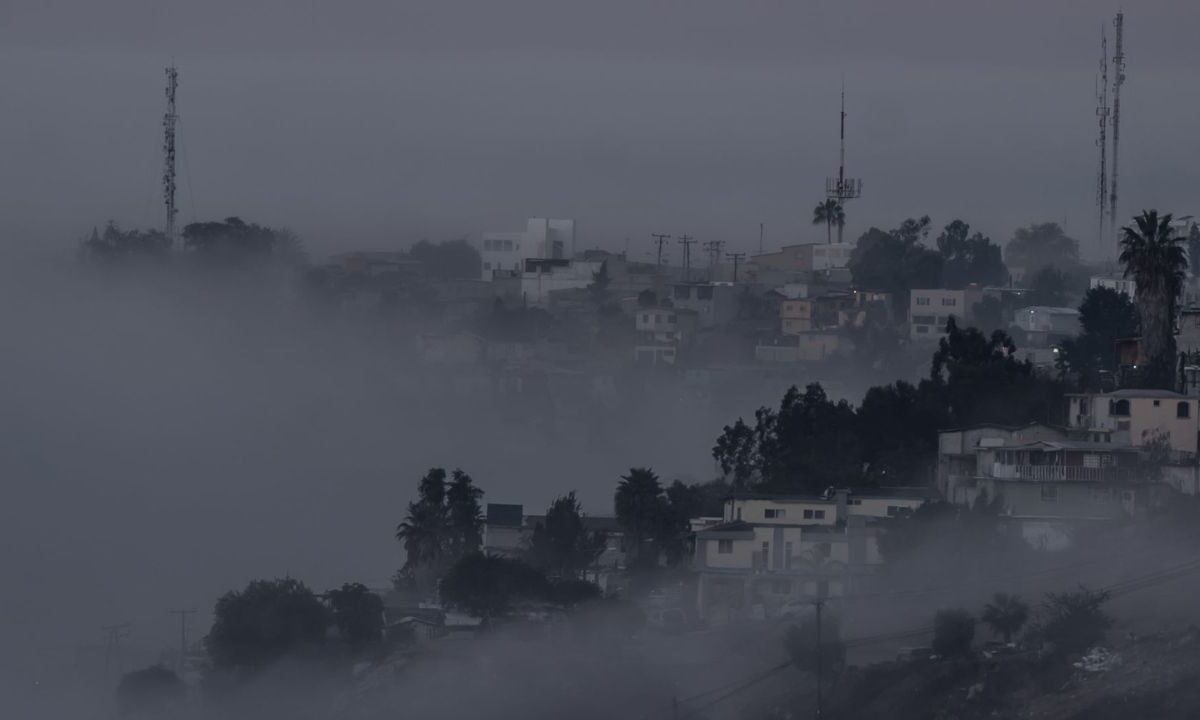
(953, 632)
(489, 585)
(1074, 621)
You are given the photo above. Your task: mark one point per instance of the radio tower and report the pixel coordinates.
(1118, 81)
(1102, 114)
(169, 121)
(842, 188)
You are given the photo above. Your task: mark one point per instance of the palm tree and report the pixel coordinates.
(424, 530)
(641, 511)
(464, 516)
(830, 213)
(1006, 615)
(1155, 258)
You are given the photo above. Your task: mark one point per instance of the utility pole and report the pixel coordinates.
(760, 238)
(182, 636)
(661, 240)
(714, 248)
(113, 636)
(1118, 81)
(686, 241)
(737, 260)
(169, 121)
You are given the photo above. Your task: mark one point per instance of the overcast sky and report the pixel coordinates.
(375, 123)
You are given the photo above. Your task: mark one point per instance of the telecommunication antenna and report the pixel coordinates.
(1118, 81)
(842, 188)
(737, 259)
(169, 121)
(686, 241)
(661, 240)
(1102, 114)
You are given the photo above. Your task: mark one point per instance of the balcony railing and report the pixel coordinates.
(1065, 473)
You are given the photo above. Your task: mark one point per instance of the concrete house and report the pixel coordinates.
(929, 310)
(1136, 417)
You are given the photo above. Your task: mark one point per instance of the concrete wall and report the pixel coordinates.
(1147, 415)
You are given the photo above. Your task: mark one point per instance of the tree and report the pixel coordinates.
(357, 614)
(829, 213)
(1006, 615)
(451, 260)
(153, 691)
(1049, 286)
(896, 261)
(230, 242)
(424, 530)
(647, 299)
(264, 622)
(1154, 257)
(1106, 316)
(464, 515)
(560, 545)
(488, 586)
(1040, 245)
(1074, 621)
(969, 259)
(953, 632)
(897, 425)
(640, 509)
(119, 245)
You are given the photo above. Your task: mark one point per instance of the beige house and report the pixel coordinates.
(769, 550)
(1137, 417)
(928, 311)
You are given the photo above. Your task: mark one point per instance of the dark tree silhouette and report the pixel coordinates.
(953, 632)
(830, 214)
(264, 622)
(152, 692)
(1006, 615)
(1154, 257)
(357, 614)
(488, 586)
(560, 544)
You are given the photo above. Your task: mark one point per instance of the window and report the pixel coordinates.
(1183, 410)
(1155, 403)
(923, 319)
(683, 292)
(949, 302)
(770, 513)
(704, 292)
(739, 513)
(893, 510)
(1084, 406)
(724, 547)
(818, 514)
(1118, 408)
(1049, 493)
(808, 514)
(922, 301)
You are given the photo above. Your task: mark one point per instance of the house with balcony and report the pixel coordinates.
(769, 550)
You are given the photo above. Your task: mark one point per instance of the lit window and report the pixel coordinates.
(725, 547)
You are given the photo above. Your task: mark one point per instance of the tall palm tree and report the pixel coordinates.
(1155, 258)
(830, 213)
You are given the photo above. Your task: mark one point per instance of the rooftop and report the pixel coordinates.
(1133, 393)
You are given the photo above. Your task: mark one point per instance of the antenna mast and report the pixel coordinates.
(1102, 114)
(842, 188)
(1118, 81)
(169, 121)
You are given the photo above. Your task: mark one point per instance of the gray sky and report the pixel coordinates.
(374, 123)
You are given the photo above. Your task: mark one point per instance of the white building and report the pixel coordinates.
(1050, 320)
(543, 238)
(1115, 282)
(662, 332)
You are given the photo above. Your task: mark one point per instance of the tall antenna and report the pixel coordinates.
(169, 121)
(1118, 81)
(842, 188)
(1102, 114)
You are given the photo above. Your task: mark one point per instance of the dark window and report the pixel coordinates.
(704, 292)
(808, 514)
(818, 514)
(773, 513)
(683, 292)
(1118, 408)
(724, 547)
(1183, 409)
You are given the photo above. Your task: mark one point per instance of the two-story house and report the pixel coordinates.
(768, 550)
(929, 310)
(1139, 417)
(662, 333)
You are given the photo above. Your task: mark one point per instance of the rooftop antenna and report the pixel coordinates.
(1102, 114)
(842, 188)
(169, 121)
(1118, 81)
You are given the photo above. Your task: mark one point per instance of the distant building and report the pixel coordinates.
(543, 238)
(819, 257)
(1115, 282)
(714, 303)
(1136, 417)
(662, 333)
(1049, 320)
(929, 309)
(541, 277)
(767, 551)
